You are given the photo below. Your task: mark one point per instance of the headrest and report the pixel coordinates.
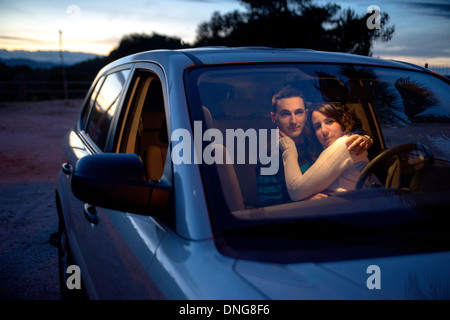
(208, 117)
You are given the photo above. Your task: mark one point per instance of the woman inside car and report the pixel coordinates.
(336, 169)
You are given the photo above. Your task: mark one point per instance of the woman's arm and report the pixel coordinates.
(329, 166)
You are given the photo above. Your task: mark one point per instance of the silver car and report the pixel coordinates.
(158, 198)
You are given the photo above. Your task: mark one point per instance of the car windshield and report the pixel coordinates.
(232, 106)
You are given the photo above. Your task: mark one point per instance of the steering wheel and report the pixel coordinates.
(394, 167)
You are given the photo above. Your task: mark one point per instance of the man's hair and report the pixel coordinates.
(286, 92)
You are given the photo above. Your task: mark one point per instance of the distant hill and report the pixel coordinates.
(26, 75)
(29, 63)
(43, 59)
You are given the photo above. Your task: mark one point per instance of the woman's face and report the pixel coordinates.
(326, 128)
(290, 117)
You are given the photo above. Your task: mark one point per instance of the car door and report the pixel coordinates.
(115, 248)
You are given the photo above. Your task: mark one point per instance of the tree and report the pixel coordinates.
(350, 33)
(129, 44)
(294, 23)
(135, 42)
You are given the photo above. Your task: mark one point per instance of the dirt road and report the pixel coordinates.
(30, 147)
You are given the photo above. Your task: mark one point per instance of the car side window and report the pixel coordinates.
(104, 107)
(91, 102)
(144, 128)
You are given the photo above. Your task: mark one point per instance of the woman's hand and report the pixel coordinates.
(358, 144)
(317, 196)
(286, 143)
(281, 133)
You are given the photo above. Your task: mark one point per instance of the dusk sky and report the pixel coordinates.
(422, 28)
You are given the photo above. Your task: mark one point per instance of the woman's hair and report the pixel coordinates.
(343, 115)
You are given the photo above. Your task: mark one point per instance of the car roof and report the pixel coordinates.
(226, 55)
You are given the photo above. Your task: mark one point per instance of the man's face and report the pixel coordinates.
(290, 117)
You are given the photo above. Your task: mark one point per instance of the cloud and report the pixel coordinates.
(208, 1)
(11, 38)
(437, 9)
(406, 44)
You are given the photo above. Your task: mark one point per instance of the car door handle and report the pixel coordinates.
(66, 168)
(90, 213)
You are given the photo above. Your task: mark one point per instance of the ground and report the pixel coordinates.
(31, 134)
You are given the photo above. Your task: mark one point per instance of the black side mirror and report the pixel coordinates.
(118, 181)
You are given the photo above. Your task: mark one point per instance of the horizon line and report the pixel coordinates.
(421, 61)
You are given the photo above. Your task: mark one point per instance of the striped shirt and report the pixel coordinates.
(272, 188)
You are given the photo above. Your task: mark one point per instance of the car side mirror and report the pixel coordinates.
(118, 181)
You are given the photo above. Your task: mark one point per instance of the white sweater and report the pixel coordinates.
(336, 169)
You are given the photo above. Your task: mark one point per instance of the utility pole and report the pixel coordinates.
(66, 96)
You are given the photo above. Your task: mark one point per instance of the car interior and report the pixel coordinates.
(228, 111)
(406, 167)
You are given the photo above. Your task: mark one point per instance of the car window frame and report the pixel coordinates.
(223, 221)
(128, 97)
